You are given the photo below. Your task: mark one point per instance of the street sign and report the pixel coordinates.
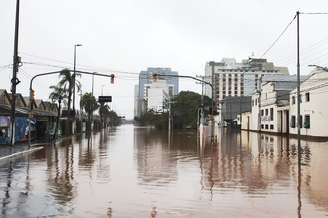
(104, 99)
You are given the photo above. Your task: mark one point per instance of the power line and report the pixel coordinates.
(278, 38)
(314, 13)
(6, 66)
(86, 67)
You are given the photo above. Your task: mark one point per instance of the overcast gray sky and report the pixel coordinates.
(131, 35)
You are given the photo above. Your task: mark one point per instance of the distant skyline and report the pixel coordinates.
(131, 36)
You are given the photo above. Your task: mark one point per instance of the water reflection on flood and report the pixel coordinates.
(141, 172)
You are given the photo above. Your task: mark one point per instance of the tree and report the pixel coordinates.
(89, 104)
(159, 120)
(185, 108)
(66, 82)
(58, 92)
(106, 113)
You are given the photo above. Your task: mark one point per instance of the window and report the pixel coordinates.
(307, 97)
(271, 127)
(262, 112)
(301, 121)
(262, 126)
(293, 99)
(266, 126)
(307, 121)
(266, 112)
(293, 122)
(271, 114)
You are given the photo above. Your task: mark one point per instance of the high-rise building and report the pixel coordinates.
(230, 78)
(145, 81)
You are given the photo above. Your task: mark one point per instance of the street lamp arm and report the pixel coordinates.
(193, 78)
(77, 71)
(319, 67)
(41, 74)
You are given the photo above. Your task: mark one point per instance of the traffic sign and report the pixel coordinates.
(104, 99)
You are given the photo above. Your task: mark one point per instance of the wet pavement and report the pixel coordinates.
(140, 172)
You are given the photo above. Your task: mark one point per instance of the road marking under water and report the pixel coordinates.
(21, 153)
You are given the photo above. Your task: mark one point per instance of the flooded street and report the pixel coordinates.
(139, 172)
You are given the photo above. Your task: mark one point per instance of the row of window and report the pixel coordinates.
(307, 98)
(240, 70)
(306, 124)
(254, 102)
(266, 126)
(229, 74)
(267, 113)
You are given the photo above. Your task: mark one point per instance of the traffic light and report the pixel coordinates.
(112, 78)
(155, 77)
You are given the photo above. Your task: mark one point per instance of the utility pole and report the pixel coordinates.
(259, 104)
(170, 116)
(74, 75)
(202, 100)
(299, 169)
(298, 82)
(14, 80)
(93, 83)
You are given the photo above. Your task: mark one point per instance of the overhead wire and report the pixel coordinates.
(278, 38)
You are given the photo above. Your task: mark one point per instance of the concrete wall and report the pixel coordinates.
(246, 120)
(255, 112)
(316, 108)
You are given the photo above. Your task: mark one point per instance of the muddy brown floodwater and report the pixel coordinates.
(138, 172)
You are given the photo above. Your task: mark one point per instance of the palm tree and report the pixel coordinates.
(66, 82)
(89, 104)
(57, 93)
(104, 110)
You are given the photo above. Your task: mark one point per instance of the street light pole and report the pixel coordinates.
(14, 80)
(74, 75)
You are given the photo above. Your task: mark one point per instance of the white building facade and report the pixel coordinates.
(314, 106)
(157, 94)
(230, 78)
(145, 79)
(270, 105)
(274, 106)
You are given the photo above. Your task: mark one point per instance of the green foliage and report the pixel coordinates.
(160, 121)
(67, 83)
(89, 104)
(57, 93)
(184, 110)
(105, 112)
(185, 107)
